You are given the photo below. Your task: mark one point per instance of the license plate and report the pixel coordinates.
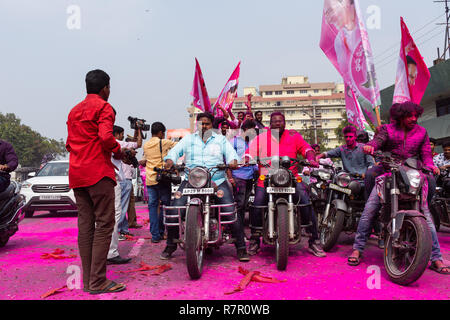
(337, 188)
(50, 197)
(198, 191)
(280, 190)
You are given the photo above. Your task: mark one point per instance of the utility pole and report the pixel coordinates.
(447, 33)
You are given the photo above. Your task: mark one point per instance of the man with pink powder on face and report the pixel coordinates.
(404, 138)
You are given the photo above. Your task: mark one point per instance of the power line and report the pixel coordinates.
(414, 32)
(385, 64)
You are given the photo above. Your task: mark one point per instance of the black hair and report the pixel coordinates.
(205, 115)
(410, 60)
(349, 129)
(256, 112)
(157, 127)
(433, 140)
(248, 124)
(315, 146)
(276, 113)
(446, 144)
(402, 110)
(362, 137)
(117, 130)
(96, 80)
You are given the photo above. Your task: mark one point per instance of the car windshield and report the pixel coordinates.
(54, 169)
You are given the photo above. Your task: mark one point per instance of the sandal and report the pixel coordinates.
(111, 288)
(439, 270)
(354, 261)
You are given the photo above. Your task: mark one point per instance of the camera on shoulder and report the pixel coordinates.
(135, 125)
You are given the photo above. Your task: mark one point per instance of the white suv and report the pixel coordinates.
(49, 189)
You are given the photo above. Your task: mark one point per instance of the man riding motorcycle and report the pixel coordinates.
(280, 142)
(208, 149)
(404, 139)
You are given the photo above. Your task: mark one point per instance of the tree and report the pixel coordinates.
(342, 125)
(29, 145)
(309, 136)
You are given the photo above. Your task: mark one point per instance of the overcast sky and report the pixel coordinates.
(148, 48)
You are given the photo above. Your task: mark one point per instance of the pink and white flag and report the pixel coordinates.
(228, 93)
(412, 72)
(345, 42)
(354, 113)
(199, 92)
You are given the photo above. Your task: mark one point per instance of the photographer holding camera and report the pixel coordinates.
(159, 186)
(125, 176)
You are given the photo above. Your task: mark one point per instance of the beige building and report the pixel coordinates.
(305, 105)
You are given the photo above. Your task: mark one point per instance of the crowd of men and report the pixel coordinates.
(102, 187)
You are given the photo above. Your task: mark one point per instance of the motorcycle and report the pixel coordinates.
(440, 204)
(338, 199)
(281, 216)
(205, 221)
(404, 227)
(11, 214)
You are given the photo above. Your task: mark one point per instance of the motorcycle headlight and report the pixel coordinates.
(198, 177)
(413, 179)
(343, 179)
(281, 178)
(324, 175)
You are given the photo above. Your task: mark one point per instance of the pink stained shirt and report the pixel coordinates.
(265, 145)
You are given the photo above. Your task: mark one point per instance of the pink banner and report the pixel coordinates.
(199, 92)
(354, 113)
(412, 72)
(229, 93)
(345, 42)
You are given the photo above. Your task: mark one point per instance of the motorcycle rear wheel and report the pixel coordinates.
(407, 262)
(194, 247)
(282, 242)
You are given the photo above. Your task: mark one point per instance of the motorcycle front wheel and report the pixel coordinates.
(194, 247)
(282, 243)
(406, 260)
(330, 230)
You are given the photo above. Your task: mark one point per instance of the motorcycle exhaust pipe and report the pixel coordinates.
(291, 217)
(271, 213)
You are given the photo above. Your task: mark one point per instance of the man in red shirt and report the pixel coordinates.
(92, 178)
(281, 142)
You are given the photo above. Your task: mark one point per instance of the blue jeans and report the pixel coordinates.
(126, 187)
(4, 183)
(156, 193)
(301, 197)
(368, 216)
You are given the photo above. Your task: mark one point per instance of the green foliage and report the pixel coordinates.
(309, 136)
(29, 145)
(342, 125)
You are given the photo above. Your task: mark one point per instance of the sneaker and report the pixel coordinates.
(316, 249)
(135, 226)
(242, 255)
(167, 253)
(127, 234)
(254, 247)
(122, 237)
(156, 240)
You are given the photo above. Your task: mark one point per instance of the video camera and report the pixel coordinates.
(134, 125)
(166, 176)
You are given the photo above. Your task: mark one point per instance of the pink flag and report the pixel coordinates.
(229, 92)
(412, 72)
(354, 113)
(199, 92)
(345, 42)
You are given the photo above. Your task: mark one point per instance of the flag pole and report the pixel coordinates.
(377, 112)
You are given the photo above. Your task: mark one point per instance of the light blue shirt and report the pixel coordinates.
(245, 173)
(200, 154)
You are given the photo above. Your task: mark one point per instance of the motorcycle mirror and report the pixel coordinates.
(286, 162)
